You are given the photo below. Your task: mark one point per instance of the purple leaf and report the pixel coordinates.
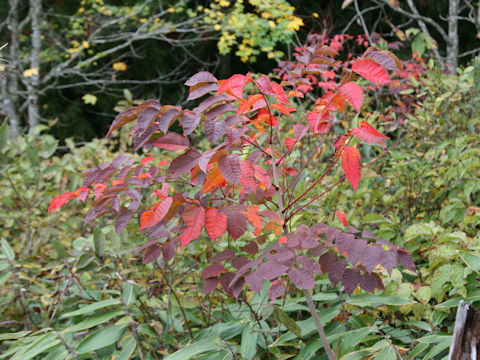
(371, 257)
(271, 270)
(184, 163)
(238, 262)
(209, 285)
(171, 141)
(309, 264)
(302, 278)
(350, 280)
(251, 248)
(219, 110)
(336, 270)
(214, 130)
(368, 283)
(277, 289)
(213, 271)
(230, 169)
(200, 77)
(122, 220)
(190, 121)
(208, 102)
(299, 131)
(202, 90)
(223, 256)
(168, 249)
(167, 118)
(255, 280)
(236, 223)
(151, 254)
(406, 259)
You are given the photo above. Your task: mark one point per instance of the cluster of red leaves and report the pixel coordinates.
(236, 182)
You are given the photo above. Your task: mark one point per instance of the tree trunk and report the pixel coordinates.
(452, 44)
(466, 334)
(9, 85)
(33, 81)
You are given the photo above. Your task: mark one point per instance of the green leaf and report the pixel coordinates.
(89, 99)
(416, 230)
(95, 320)
(471, 260)
(437, 349)
(130, 292)
(196, 348)
(387, 353)
(4, 133)
(248, 346)
(375, 301)
(128, 347)
(286, 321)
(99, 242)
(7, 250)
(101, 338)
(92, 307)
(14, 336)
(43, 343)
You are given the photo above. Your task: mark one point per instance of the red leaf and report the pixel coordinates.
(194, 217)
(280, 93)
(290, 143)
(351, 165)
(234, 85)
(369, 134)
(371, 71)
(158, 213)
(282, 240)
(353, 93)
(60, 200)
(229, 167)
(201, 77)
(341, 216)
(213, 271)
(146, 160)
(215, 223)
(302, 278)
(171, 141)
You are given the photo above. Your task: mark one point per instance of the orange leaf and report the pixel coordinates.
(351, 165)
(144, 218)
(214, 179)
(293, 93)
(215, 223)
(255, 219)
(283, 109)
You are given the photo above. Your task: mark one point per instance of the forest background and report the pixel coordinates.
(74, 291)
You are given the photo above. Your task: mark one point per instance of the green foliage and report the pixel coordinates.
(68, 290)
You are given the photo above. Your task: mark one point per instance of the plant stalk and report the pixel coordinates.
(318, 324)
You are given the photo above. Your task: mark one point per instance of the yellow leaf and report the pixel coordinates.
(119, 66)
(89, 99)
(85, 44)
(30, 72)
